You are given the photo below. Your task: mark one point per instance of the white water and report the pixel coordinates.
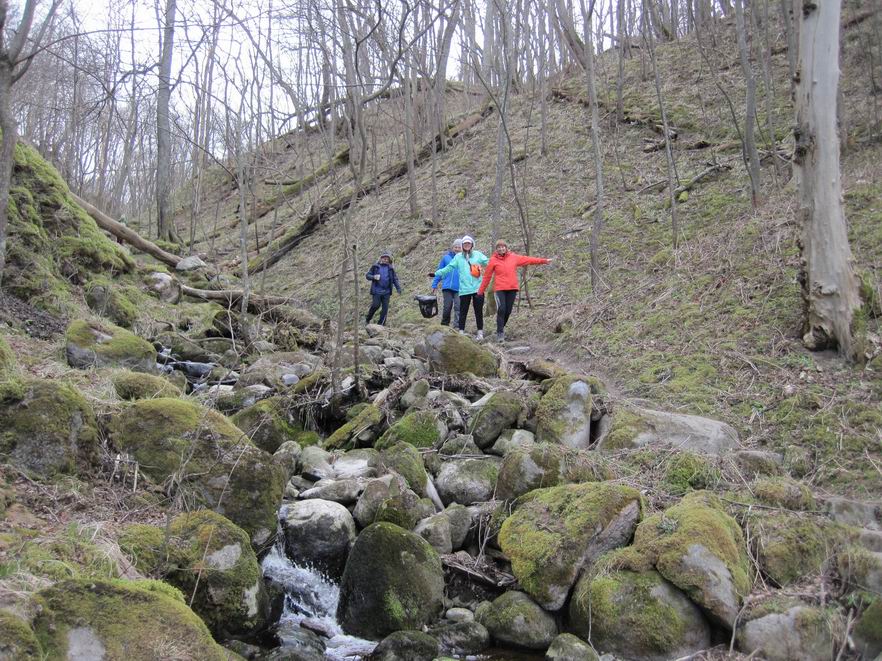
(311, 595)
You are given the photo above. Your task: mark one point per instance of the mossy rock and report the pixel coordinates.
(548, 465)
(71, 552)
(405, 460)
(210, 460)
(207, 555)
(637, 616)
(453, 353)
(498, 413)
(7, 359)
(790, 547)
(783, 492)
(48, 428)
(403, 509)
(407, 646)
(686, 471)
(118, 620)
(567, 647)
(93, 344)
(52, 241)
(635, 427)
(468, 481)
(350, 435)
(421, 429)
(17, 640)
(565, 411)
(868, 631)
(267, 424)
(393, 581)
(515, 619)
(554, 533)
(781, 630)
(111, 301)
(137, 385)
(699, 548)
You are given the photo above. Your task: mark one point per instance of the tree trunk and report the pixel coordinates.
(7, 154)
(751, 156)
(165, 225)
(830, 288)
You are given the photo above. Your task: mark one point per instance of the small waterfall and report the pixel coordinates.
(312, 596)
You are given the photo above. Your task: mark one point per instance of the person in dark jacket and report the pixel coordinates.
(383, 278)
(449, 286)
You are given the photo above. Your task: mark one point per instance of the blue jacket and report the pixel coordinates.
(451, 280)
(388, 279)
(468, 283)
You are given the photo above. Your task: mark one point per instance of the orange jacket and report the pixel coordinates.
(505, 269)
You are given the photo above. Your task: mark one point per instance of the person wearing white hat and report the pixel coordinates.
(469, 264)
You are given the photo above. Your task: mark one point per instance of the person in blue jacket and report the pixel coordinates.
(383, 278)
(450, 286)
(469, 264)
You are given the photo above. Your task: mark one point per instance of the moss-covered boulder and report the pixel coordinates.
(790, 547)
(548, 465)
(405, 460)
(861, 570)
(209, 559)
(638, 616)
(781, 632)
(137, 385)
(699, 548)
(686, 471)
(498, 413)
(47, 428)
(636, 427)
(515, 619)
(868, 631)
(114, 619)
(453, 353)
(462, 638)
(565, 411)
(407, 646)
(93, 344)
(783, 492)
(360, 430)
(111, 301)
(422, 429)
(17, 640)
(567, 647)
(203, 455)
(404, 509)
(554, 533)
(267, 423)
(318, 533)
(467, 481)
(393, 581)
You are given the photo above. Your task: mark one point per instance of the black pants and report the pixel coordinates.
(477, 302)
(380, 300)
(451, 304)
(505, 301)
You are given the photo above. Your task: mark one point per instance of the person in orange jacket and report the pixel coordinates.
(504, 267)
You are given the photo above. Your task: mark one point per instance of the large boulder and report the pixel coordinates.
(515, 619)
(637, 616)
(210, 559)
(405, 460)
(375, 493)
(407, 646)
(393, 581)
(499, 412)
(567, 647)
(789, 547)
(318, 533)
(548, 465)
(207, 457)
(422, 429)
(138, 385)
(267, 423)
(795, 632)
(453, 353)
(47, 428)
(436, 530)
(462, 638)
(636, 427)
(467, 481)
(566, 410)
(17, 639)
(93, 344)
(113, 619)
(699, 548)
(554, 533)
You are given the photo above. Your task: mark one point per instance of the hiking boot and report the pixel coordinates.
(500, 337)
(480, 335)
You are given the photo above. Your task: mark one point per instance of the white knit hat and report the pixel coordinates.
(468, 239)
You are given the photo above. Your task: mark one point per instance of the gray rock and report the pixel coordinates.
(801, 633)
(515, 619)
(512, 439)
(436, 530)
(375, 493)
(316, 463)
(565, 413)
(417, 390)
(567, 647)
(163, 286)
(468, 481)
(318, 533)
(190, 263)
(357, 463)
(495, 413)
(93, 344)
(855, 512)
(407, 646)
(752, 463)
(462, 638)
(460, 519)
(461, 444)
(345, 492)
(288, 457)
(459, 615)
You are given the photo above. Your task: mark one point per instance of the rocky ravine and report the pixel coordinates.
(460, 497)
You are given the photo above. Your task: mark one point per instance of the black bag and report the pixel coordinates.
(428, 305)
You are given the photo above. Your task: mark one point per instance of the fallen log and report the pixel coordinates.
(122, 232)
(232, 297)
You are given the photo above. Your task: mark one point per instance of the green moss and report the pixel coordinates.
(686, 472)
(104, 344)
(498, 413)
(306, 438)
(7, 359)
(784, 492)
(868, 629)
(267, 424)
(459, 354)
(626, 426)
(136, 385)
(71, 553)
(405, 459)
(310, 381)
(17, 640)
(789, 547)
(548, 465)
(147, 546)
(419, 429)
(551, 425)
(131, 619)
(346, 437)
(111, 301)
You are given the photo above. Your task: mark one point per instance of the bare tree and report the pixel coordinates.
(829, 286)
(165, 224)
(751, 157)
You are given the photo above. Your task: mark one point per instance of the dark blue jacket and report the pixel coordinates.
(388, 279)
(451, 280)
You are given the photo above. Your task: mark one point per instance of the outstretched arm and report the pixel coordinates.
(437, 279)
(440, 273)
(526, 260)
(485, 281)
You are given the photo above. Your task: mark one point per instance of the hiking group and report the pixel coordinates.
(463, 274)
